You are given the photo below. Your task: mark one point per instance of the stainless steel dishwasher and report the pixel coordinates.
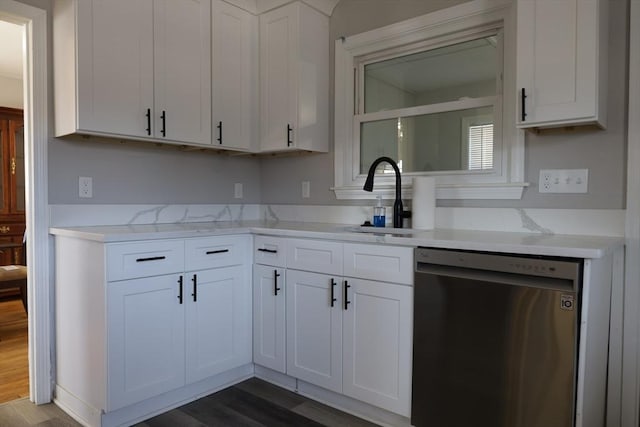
(495, 339)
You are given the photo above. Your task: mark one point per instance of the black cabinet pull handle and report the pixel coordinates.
(148, 116)
(180, 293)
(523, 112)
(333, 286)
(271, 251)
(219, 251)
(153, 258)
(195, 288)
(219, 132)
(289, 130)
(275, 282)
(346, 300)
(164, 123)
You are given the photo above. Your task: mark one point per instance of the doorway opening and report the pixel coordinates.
(14, 361)
(33, 22)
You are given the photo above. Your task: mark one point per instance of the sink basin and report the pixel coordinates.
(379, 230)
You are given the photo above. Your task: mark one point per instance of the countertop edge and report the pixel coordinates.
(576, 246)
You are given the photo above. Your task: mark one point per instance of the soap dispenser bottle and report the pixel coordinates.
(379, 217)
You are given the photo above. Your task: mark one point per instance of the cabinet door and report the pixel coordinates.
(234, 76)
(378, 344)
(145, 322)
(115, 66)
(314, 329)
(558, 59)
(278, 78)
(182, 70)
(269, 317)
(218, 324)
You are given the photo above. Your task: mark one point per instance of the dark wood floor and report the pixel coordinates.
(254, 403)
(251, 403)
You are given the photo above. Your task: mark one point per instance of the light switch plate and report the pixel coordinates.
(563, 180)
(237, 190)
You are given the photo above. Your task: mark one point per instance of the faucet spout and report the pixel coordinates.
(398, 212)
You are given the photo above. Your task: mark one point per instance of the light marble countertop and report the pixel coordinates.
(576, 246)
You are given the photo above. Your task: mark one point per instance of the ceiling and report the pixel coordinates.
(11, 50)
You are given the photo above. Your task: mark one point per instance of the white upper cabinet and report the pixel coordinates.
(138, 69)
(235, 77)
(182, 39)
(562, 62)
(103, 81)
(294, 73)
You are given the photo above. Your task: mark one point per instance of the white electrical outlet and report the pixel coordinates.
(85, 187)
(563, 180)
(306, 189)
(237, 190)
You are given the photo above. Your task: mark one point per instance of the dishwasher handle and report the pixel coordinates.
(514, 279)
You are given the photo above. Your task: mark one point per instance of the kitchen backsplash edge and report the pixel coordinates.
(593, 222)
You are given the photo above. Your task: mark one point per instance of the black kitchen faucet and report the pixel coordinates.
(398, 213)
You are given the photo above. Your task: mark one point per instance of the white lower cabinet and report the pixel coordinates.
(218, 321)
(314, 329)
(269, 292)
(146, 338)
(350, 335)
(377, 344)
(144, 325)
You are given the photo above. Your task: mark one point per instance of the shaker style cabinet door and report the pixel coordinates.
(294, 85)
(234, 76)
(269, 290)
(378, 344)
(146, 339)
(314, 328)
(218, 330)
(182, 40)
(561, 62)
(278, 78)
(114, 66)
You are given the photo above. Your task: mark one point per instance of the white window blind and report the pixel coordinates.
(481, 147)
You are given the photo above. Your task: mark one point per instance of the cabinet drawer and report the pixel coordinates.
(383, 263)
(144, 259)
(269, 250)
(315, 255)
(214, 252)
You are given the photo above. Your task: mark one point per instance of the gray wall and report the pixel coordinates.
(602, 152)
(140, 173)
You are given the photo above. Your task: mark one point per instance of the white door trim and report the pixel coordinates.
(631, 356)
(36, 107)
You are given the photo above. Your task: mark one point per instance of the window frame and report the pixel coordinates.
(468, 123)
(443, 27)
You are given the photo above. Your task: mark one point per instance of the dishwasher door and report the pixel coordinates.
(495, 340)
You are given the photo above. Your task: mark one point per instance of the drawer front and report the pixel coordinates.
(315, 255)
(269, 250)
(214, 252)
(384, 263)
(144, 259)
